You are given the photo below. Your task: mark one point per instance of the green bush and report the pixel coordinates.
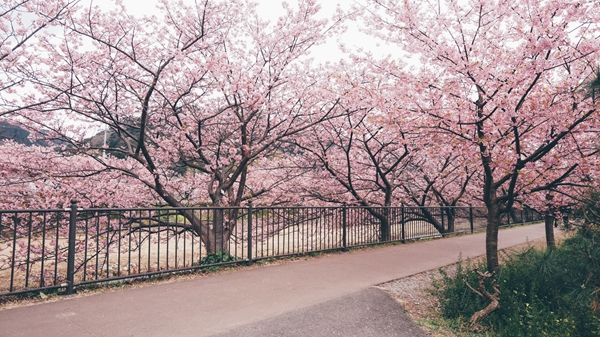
(543, 293)
(218, 257)
(454, 293)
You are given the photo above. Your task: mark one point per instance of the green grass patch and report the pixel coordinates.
(543, 292)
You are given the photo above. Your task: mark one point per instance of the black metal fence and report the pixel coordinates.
(54, 249)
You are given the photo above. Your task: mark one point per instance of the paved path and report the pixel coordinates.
(328, 296)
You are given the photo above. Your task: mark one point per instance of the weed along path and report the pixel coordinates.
(326, 296)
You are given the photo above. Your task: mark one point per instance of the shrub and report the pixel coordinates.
(218, 257)
(543, 293)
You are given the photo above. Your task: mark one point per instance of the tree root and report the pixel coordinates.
(595, 305)
(482, 292)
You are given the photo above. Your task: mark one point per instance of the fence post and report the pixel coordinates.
(403, 231)
(471, 217)
(250, 211)
(344, 225)
(442, 216)
(71, 252)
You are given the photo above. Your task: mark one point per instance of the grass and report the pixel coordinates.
(543, 292)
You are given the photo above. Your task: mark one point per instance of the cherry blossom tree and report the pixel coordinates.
(376, 158)
(363, 160)
(504, 80)
(197, 98)
(360, 158)
(446, 180)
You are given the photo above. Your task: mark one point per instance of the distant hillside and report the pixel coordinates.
(14, 132)
(9, 130)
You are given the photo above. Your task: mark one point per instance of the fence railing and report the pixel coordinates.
(54, 249)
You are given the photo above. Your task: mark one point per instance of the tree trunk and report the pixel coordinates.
(385, 227)
(424, 214)
(218, 238)
(482, 292)
(549, 221)
(450, 216)
(491, 238)
(513, 215)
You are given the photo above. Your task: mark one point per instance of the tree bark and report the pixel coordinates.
(482, 292)
(549, 221)
(450, 217)
(513, 215)
(385, 227)
(491, 238)
(218, 239)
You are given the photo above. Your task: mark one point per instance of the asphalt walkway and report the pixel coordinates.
(328, 296)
